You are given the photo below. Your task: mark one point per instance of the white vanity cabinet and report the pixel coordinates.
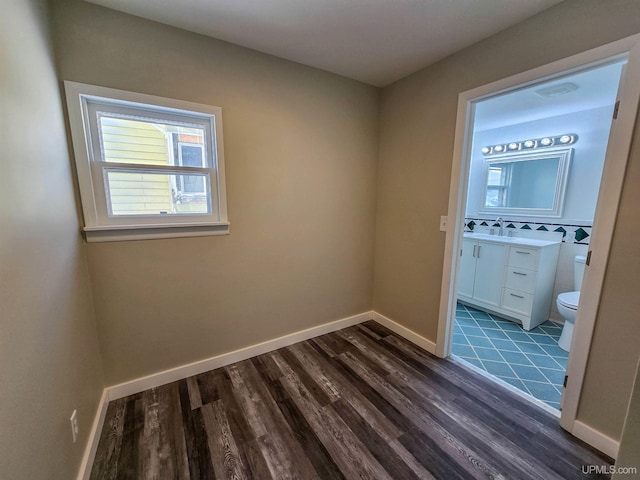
(481, 271)
(511, 277)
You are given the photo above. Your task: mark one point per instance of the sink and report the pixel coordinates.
(484, 236)
(533, 242)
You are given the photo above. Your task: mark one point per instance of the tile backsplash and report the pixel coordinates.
(579, 234)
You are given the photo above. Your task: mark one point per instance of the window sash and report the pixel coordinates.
(502, 192)
(100, 171)
(181, 186)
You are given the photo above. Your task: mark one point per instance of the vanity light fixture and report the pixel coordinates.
(564, 139)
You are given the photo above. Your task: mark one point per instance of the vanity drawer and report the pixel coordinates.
(517, 278)
(523, 257)
(517, 301)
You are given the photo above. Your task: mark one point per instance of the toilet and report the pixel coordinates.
(567, 303)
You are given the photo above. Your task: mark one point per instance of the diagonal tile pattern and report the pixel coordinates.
(530, 361)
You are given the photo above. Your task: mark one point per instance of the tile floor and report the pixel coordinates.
(531, 361)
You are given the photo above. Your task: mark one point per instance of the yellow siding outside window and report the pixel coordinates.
(130, 141)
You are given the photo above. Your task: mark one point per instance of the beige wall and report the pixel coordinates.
(416, 147)
(49, 355)
(301, 164)
(301, 149)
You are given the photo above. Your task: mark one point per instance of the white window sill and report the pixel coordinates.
(150, 232)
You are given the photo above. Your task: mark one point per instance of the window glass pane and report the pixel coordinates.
(130, 139)
(495, 176)
(157, 193)
(495, 197)
(191, 155)
(191, 184)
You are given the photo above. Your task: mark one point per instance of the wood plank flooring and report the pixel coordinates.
(360, 403)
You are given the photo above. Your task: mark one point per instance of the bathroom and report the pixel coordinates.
(537, 157)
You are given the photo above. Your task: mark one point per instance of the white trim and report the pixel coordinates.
(94, 437)
(91, 167)
(615, 167)
(456, 212)
(596, 439)
(606, 212)
(179, 373)
(201, 366)
(151, 227)
(404, 332)
(150, 232)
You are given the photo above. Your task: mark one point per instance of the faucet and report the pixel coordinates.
(500, 222)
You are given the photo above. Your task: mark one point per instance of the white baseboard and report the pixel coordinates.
(410, 335)
(201, 366)
(195, 368)
(596, 439)
(94, 438)
(593, 437)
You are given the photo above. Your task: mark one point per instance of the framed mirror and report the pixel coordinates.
(530, 184)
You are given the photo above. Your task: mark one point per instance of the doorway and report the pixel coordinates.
(537, 156)
(607, 203)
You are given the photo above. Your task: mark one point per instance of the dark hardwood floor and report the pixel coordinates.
(358, 403)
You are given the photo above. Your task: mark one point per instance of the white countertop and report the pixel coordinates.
(524, 242)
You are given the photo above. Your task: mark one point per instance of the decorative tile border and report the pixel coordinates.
(579, 234)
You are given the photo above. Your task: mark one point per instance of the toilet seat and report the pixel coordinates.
(569, 299)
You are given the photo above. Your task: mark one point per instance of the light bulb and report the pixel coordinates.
(513, 146)
(565, 139)
(546, 141)
(529, 143)
(485, 150)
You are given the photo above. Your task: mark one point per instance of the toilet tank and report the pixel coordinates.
(578, 271)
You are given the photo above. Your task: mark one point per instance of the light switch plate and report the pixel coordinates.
(443, 223)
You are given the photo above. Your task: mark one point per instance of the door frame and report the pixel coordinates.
(616, 159)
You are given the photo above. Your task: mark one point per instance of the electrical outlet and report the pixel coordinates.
(443, 223)
(74, 425)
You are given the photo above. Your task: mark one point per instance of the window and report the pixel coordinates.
(190, 155)
(148, 167)
(497, 185)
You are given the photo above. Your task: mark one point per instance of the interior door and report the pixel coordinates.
(616, 158)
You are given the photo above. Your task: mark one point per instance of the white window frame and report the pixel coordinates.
(91, 168)
(179, 147)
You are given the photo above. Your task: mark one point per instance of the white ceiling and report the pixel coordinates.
(597, 87)
(374, 41)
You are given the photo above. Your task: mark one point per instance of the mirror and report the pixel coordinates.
(530, 184)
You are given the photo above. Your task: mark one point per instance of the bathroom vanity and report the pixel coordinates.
(510, 276)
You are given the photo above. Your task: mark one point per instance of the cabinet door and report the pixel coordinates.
(467, 268)
(489, 272)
